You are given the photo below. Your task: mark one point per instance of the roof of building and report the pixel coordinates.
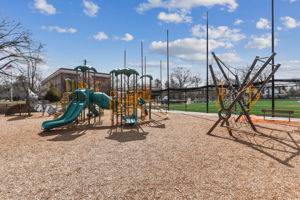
(73, 72)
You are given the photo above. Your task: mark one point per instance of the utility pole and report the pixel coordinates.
(207, 97)
(168, 75)
(273, 60)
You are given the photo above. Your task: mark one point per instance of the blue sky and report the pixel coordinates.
(100, 31)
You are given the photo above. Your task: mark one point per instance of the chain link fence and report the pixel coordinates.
(287, 97)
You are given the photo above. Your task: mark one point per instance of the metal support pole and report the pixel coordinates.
(273, 61)
(95, 81)
(145, 64)
(11, 85)
(168, 75)
(89, 86)
(77, 79)
(185, 107)
(150, 102)
(121, 101)
(142, 65)
(124, 58)
(145, 70)
(207, 97)
(160, 82)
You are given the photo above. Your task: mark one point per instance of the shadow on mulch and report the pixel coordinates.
(63, 134)
(70, 133)
(154, 123)
(18, 117)
(200, 117)
(278, 144)
(127, 134)
(118, 133)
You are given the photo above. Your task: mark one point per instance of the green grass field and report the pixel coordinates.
(280, 104)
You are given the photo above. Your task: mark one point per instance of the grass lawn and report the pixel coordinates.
(280, 104)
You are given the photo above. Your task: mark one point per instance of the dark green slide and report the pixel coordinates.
(78, 103)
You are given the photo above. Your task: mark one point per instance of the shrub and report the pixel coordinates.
(52, 95)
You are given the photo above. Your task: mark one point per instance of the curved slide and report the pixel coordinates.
(74, 109)
(81, 99)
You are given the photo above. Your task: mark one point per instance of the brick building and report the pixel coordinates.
(59, 76)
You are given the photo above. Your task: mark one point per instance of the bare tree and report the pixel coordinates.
(33, 76)
(14, 43)
(181, 78)
(18, 49)
(157, 83)
(196, 80)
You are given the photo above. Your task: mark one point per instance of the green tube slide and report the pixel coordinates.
(80, 100)
(78, 103)
(101, 99)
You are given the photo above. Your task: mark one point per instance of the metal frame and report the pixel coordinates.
(237, 90)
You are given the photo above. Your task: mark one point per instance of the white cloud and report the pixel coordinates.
(149, 64)
(187, 49)
(127, 37)
(90, 8)
(44, 7)
(288, 69)
(263, 24)
(290, 22)
(100, 36)
(290, 64)
(59, 29)
(260, 42)
(222, 33)
(292, 1)
(174, 17)
(279, 28)
(230, 57)
(185, 4)
(44, 67)
(238, 21)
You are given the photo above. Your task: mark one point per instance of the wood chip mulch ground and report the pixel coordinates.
(160, 159)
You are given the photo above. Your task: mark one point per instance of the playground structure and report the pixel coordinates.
(235, 96)
(127, 98)
(71, 85)
(146, 95)
(83, 97)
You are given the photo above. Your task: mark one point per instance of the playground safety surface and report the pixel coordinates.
(161, 159)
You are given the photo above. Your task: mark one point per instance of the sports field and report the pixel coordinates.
(280, 104)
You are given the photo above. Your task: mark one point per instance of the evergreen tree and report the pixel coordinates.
(52, 94)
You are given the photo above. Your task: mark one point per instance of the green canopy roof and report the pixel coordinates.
(84, 68)
(125, 71)
(148, 76)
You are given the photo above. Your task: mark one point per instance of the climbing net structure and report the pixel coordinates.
(236, 93)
